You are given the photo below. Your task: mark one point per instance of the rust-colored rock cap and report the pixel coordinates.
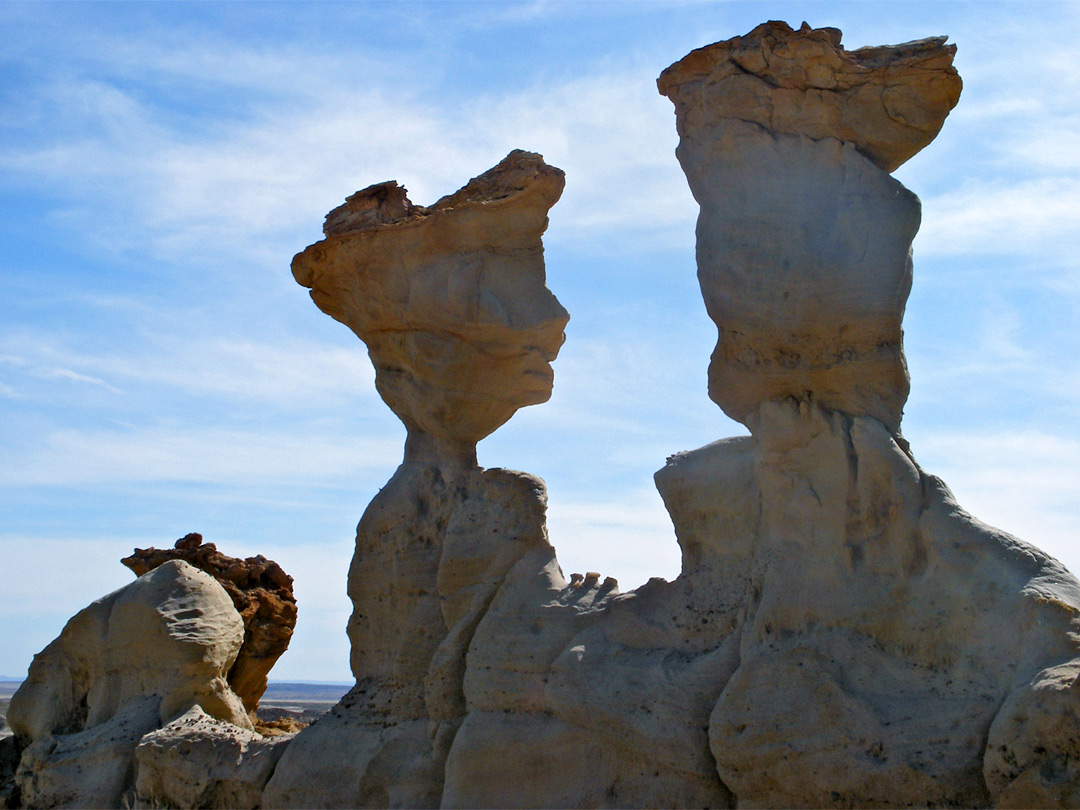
(888, 101)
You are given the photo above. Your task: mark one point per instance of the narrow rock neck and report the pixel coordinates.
(424, 448)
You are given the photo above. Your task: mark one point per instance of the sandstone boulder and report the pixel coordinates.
(262, 594)
(125, 665)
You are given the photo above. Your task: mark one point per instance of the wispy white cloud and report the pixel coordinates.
(276, 168)
(290, 374)
(246, 369)
(74, 376)
(101, 457)
(1036, 216)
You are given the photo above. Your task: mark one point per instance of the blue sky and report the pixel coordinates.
(161, 372)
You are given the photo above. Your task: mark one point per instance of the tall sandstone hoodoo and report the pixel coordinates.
(804, 240)
(461, 329)
(892, 650)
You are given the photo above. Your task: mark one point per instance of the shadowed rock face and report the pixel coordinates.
(803, 240)
(450, 300)
(262, 594)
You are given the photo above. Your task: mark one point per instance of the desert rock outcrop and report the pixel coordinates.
(892, 651)
(262, 594)
(841, 634)
(197, 761)
(126, 665)
(461, 329)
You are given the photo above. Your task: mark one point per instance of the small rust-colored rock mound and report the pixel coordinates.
(262, 593)
(122, 667)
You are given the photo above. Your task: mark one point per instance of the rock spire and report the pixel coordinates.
(449, 299)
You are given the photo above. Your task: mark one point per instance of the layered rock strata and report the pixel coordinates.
(804, 240)
(888, 102)
(262, 594)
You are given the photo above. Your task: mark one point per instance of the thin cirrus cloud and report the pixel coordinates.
(270, 166)
(274, 375)
(1027, 217)
(99, 457)
(279, 167)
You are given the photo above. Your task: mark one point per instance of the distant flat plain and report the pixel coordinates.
(306, 702)
(7, 689)
(301, 701)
